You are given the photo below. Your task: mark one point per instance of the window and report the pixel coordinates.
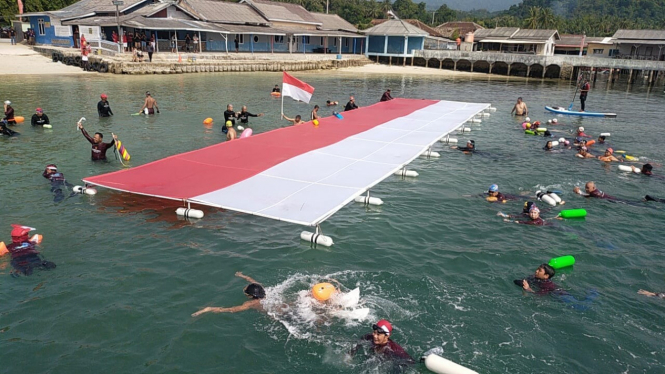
(305, 39)
(40, 23)
(599, 51)
(346, 42)
(335, 42)
(256, 39)
(321, 40)
(241, 38)
(279, 39)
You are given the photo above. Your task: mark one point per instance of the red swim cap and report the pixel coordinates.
(104, 96)
(38, 110)
(20, 233)
(384, 326)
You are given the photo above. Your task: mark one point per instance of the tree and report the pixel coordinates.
(533, 21)
(444, 14)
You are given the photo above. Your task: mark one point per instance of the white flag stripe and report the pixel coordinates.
(295, 92)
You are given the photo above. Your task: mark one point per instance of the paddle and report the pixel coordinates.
(570, 107)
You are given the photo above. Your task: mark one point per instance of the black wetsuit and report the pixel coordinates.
(351, 105)
(9, 116)
(5, 130)
(58, 182)
(650, 198)
(41, 121)
(276, 89)
(467, 149)
(539, 286)
(229, 115)
(104, 108)
(244, 117)
(25, 258)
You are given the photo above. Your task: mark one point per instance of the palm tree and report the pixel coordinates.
(533, 21)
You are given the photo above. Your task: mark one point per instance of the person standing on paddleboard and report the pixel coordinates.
(584, 90)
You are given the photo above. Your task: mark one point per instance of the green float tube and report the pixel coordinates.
(562, 262)
(573, 213)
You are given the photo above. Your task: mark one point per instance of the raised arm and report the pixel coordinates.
(292, 120)
(85, 133)
(245, 277)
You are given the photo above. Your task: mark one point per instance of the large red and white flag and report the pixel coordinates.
(296, 88)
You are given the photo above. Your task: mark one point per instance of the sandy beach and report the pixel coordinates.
(22, 60)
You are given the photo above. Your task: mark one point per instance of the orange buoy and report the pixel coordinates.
(207, 121)
(276, 94)
(3, 249)
(36, 238)
(590, 142)
(323, 291)
(19, 119)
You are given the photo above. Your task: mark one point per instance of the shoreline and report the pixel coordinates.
(20, 59)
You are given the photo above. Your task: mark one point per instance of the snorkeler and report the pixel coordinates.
(541, 281)
(525, 211)
(381, 345)
(470, 147)
(57, 182)
(253, 290)
(25, 257)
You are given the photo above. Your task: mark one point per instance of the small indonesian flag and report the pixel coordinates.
(295, 88)
(20, 7)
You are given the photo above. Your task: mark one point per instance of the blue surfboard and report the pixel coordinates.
(562, 110)
(338, 115)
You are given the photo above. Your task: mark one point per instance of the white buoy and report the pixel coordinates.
(240, 128)
(545, 198)
(555, 143)
(465, 129)
(406, 173)
(84, 190)
(430, 153)
(561, 140)
(448, 140)
(189, 213)
(145, 111)
(604, 134)
(369, 200)
(492, 109)
(476, 120)
(440, 365)
(629, 169)
(320, 239)
(554, 196)
(485, 114)
(47, 126)
(549, 121)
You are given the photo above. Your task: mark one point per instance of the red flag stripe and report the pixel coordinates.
(288, 79)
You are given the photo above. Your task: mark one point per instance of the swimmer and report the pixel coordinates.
(39, 118)
(591, 191)
(5, 130)
(103, 107)
(601, 139)
(534, 218)
(254, 290)
(99, 148)
(150, 104)
(651, 294)
(295, 121)
(645, 170)
(520, 108)
(230, 131)
(351, 105)
(25, 257)
(380, 344)
(331, 103)
(493, 195)
(541, 281)
(607, 156)
(584, 153)
(58, 181)
(9, 113)
(650, 198)
(470, 147)
(580, 133)
(229, 115)
(548, 146)
(244, 115)
(525, 211)
(276, 89)
(386, 96)
(535, 125)
(315, 113)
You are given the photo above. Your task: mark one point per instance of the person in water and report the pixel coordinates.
(382, 346)
(296, 121)
(525, 211)
(331, 103)
(520, 108)
(98, 146)
(601, 139)
(579, 133)
(39, 118)
(470, 147)
(534, 218)
(276, 89)
(386, 96)
(351, 105)
(25, 257)
(231, 133)
(608, 157)
(584, 153)
(591, 191)
(315, 113)
(645, 170)
(651, 198)
(254, 290)
(103, 107)
(652, 294)
(58, 181)
(150, 103)
(243, 115)
(493, 195)
(229, 115)
(5, 130)
(9, 113)
(541, 282)
(548, 146)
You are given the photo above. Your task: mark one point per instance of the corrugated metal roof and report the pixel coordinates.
(448, 29)
(499, 32)
(333, 22)
(431, 31)
(571, 40)
(535, 34)
(224, 11)
(514, 33)
(95, 6)
(640, 34)
(640, 42)
(274, 11)
(395, 27)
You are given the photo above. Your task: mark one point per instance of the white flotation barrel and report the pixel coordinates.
(555, 143)
(430, 153)
(629, 169)
(545, 198)
(240, 128)
(84, 190)
(440, 365)
(146, 111)
(189, 213)
(320, 239)
(561, 140)
(605, 134)
(406, 173)
(368, 200)
(476, 120)
(484, 114)
(448, 140)
(465, 129)
(555, 197)
(47, 126)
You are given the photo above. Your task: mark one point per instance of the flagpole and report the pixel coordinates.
(282, 102)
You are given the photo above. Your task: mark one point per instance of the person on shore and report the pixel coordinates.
(149, 105)
(229, 115)
(25, 257)
(244, 115)
(58, 182)
(130, 41)
(124, 41)
(103, 107)
(174, 44)
(188, 43)
(39, 118)
(296, 121)
(608, 157)
(9, 113)
(470, 147)
(386, 96)
(195, 42)
(98, 146)
(584, 91)
(276, 89)
(584, 153)
(541, 281)
(231, 133)
(351, 105)
(236, 42)
(5, 130)
(331, 103)
(85, 51)
(520, 108)
(151, 48)
(12, 36)
(137, 56)
(114, 37)
(382, 346)
(315, 113)
(254, 290)
(591, 191)
(458, 42)
(652, 294)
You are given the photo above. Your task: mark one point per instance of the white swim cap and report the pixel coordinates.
(561, 140)
(7, 102)
(527, 119)
(580, 128)
(555, 120)
(549, 121)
